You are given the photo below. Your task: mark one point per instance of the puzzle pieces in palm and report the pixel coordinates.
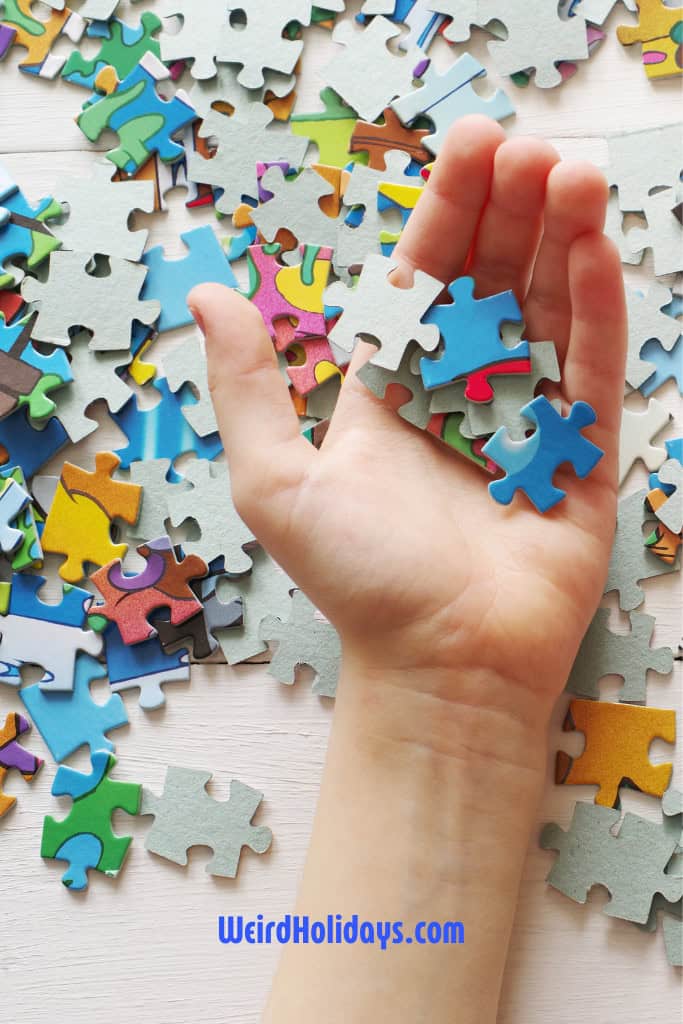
(444, 98)
(14, 756)
(164, 583)
(169, 282)
(530, 464)
(50, 635)
(660, 31)
(67, 721)
(122, 47)
(631, 865)
(390, 316)
(85, 838)
(209, 503)
(185, 816)
(82, 514)
(605, 653)
(618, 738)
(162, 432)
(473, 349)
(306, 638)
(144, 123)
(404, 386)
(24, 232)
(73, 297)
(28, 377)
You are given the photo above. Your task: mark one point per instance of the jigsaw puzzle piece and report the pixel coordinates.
(631, 865)
(14, 756)
(185, 816)
(670, 511)
(604, 653)
(258, 44)
(122, 48)
(331, 129)
(376, 140)
(306, 638)
(29, 553)
(25, 447)
(162, 432)
(404, 387)
(530, 464)
(473, 348)
(445, 98)
(24, 233)
(662, 542)
(617, 742)
(637, 430)
(144, 666)
(96, 377)
(310, 364)
(164, 583)
(67, 721)
(293, 293)
(663, 234)
(32, 629)
(660, 31)
(39, 36)
(14, 500)
(85, 838)
(186, 364)
(144, 122)
(265, 591)
(28, 376)
(209, 503)
(169, 282)
(82, 514)
(198, 632)
(631, 561)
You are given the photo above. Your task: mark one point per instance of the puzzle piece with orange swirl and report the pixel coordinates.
(618, 738)
(163, 583)
(82, 513)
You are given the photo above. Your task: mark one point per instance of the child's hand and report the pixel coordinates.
(394, 536)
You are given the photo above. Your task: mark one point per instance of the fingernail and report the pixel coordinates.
(198, 319)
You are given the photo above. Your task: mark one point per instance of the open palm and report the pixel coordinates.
(393, 535)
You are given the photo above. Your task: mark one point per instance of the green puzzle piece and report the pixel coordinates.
(331, 130)
(85, 837)
(122, 50)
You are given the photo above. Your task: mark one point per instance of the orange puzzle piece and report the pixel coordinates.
(82, 512)
(618, 738)
(660, 30)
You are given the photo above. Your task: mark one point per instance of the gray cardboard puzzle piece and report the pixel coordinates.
(637, 431)
(663, 234)
(673, 940)
(631, 866)
(512, 393)
(603, 653)
(107, 306)
(185, 816)
(614, 229)
(646, 320)
(224, 88)
(186, 364)
(242, 140)
(630, 561)
(356, 242)
(416, 409)
(265, 591)
(366, 74)
(259, 44)
(537, 37)
(597, 11)
(157, 494)
(199, 36)
(209, 503)
(463, 14)
(671, 511)
(385, 314)
(304, 639)
(446, 97)
(295, 205)
(672, 809)
(642, 161)
(94, 377)
(98, 213)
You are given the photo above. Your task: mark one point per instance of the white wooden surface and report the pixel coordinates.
(145, 947)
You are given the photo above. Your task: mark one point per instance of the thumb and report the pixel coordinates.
(267, 455)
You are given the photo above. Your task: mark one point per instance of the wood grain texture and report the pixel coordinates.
(144, 947)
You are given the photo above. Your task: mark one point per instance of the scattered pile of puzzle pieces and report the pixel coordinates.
(310, 204)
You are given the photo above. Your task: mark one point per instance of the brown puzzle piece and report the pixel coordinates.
(378, 139)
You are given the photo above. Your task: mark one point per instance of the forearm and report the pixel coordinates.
(424, 815)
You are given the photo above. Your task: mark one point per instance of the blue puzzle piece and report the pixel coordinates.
(69, 782)
(24, 446)
(24, 600)
(163, 432)
(470, 330)
(171, 281)
(13, 501)
(669, 365)
(146, 665)
(122, 47)
(68, 720)
(83, 851)
(144, 122)
(24, 233)
(674, 450)
(530, 464)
